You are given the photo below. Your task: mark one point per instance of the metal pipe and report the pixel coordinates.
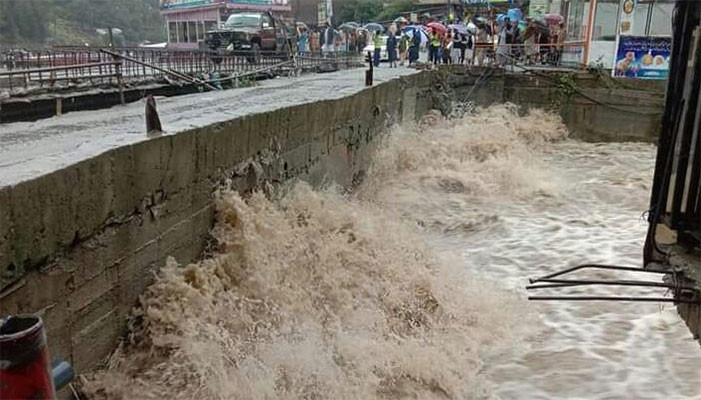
(613, 298)
(577, 282)
(599, 266)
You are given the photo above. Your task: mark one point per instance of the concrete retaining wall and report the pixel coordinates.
(81, 244)
(616, 111)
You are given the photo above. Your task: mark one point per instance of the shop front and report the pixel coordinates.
(188, 20)
(618, 24)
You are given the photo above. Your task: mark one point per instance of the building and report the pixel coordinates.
(314, 12)
(611, 20)
(188, 20)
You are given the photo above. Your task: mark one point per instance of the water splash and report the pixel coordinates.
(313, 295)
(408, 287)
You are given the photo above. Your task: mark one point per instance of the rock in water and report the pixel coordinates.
(153, 123)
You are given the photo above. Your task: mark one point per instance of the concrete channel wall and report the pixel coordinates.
(605, 110)
(79, 245)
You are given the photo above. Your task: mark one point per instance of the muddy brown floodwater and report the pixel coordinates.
(412, 286)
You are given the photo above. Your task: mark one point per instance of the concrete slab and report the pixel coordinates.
(32, 149)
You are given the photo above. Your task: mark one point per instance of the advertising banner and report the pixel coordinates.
(643, 57)
(627, 20)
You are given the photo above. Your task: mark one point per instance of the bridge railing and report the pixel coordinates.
(67, 67)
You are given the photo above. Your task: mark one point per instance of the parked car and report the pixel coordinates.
(249, 33)
(384, 55)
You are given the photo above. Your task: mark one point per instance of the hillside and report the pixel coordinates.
(74, 22)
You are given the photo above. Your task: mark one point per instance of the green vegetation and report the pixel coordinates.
(373, 10)
(567, 86)
(74, 22)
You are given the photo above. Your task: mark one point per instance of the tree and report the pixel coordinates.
(24, 21)
(360, 10)
(373, 10)
(394, 9)
(28, 21)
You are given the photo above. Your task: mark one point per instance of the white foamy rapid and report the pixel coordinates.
(412, 286)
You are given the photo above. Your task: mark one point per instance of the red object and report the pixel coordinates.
(25, 371)
(437, 26)
(554, 19)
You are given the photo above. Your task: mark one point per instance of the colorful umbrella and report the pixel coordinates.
(514, 14)
(554, 19)
(374, 27)
(540, 22)
(458, 28)
(347, 27)
(415, 30)
(437, 26)
(472, 28)
(413, 27)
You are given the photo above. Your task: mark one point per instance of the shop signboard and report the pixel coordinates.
(321, 13)
(174, 4)
(171, 4)
(487, 1)
(643, 57)
(538, 8)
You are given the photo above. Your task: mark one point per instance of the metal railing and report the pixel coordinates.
(566, 55)
(66, 68)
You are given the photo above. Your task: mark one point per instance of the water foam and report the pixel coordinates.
(312, 295)
(407, 288)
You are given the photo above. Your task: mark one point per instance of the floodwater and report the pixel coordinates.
(412, 286)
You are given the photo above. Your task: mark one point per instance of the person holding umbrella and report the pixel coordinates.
(403, 48)
(434, 47)
(377, 41)
(415, 46)
(392, 46)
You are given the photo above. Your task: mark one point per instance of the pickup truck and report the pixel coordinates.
(249, 33)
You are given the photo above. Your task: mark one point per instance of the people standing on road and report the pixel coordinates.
(362, 41)
(544, 46)
(446, 47)
(458, 52)
(469, 49)
(314, 44)
(377, 42)
(415, 47)
(303, 40)
(482, 40)
(353, 42)
(329, 39)
(505, 38)
(392, 46)
(559, 42)
(529, 40)
(434, 47)
(403, 48)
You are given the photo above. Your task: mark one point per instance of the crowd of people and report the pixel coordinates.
(474, 41)
(324, 39)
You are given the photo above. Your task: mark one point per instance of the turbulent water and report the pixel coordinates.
(412, 286)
